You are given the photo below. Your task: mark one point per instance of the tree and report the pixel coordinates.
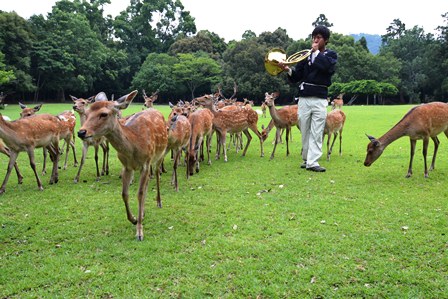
(156, 73)
(68, 54)
(16, 41)
(322, 20)
(5, 75)
(196, 70)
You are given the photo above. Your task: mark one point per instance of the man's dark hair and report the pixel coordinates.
(322, 30)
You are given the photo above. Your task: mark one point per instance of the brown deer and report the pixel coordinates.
(80, 105)
(334, 125)
(179, 132)
(263, 109)
(421, 122)
(284, 118)
(149, 101)
(201, 121)
(24, 135)
(140, 141)
(27, 111)
(232, 121)
(338, 102)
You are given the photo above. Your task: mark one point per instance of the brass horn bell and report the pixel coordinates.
(276, 55)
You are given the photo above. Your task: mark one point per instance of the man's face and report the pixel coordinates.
(319, 40)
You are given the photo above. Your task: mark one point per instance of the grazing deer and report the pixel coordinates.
(421, 122)
(232, 121)
(26, 134)
(179, 132)
(284, 118)
(149, 101)
(334, 125)
(80, 105)
(140, 141)
(201, 121)
(338, 102)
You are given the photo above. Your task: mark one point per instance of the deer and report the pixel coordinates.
(284, 118)
(26, 134)
(232, 121)
(338, 102)
(179, 133)
(201, 121)
(80, 106)
(149, 101)
(67, 127)
(420, 122)
(140, 141)
(263, 109)
(334, 125)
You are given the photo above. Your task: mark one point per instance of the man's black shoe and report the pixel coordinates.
(303, 165)
(317, 169)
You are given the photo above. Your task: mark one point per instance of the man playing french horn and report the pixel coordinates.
(314, 77)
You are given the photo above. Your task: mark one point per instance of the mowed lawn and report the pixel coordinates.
(249, 228)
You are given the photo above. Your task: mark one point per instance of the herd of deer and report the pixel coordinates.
(142, 140)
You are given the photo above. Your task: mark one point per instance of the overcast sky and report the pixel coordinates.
(230, 18)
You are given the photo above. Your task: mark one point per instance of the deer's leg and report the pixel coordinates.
(142, 191)
(249, 138)
(413, 142)
(158, 198)
(85, 146)
(72, 145)
(335, 135)
(54, 156)
(288, 133)
(67, 149)
(19, 175)
(33, 167)
(12, 162)
(44, 164)
(198, 153)
(436, 147)
(340, 143)
(96, 147)
(278, 133)
(425, 153)
(175, 164)
(126, 177)
(208, 143)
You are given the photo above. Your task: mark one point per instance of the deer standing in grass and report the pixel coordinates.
(179, 133)
(24, 135)
(67, 127)
(149, 101)
(334, 125)
(140, 142)
(201, 121)
(338, 102)
(283, 118)
(80, 105)
(232, 121)
(421, 122)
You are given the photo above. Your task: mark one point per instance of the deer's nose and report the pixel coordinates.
(82, 134)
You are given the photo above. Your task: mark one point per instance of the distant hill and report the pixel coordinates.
(373, 41)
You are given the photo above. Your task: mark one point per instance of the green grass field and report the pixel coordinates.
(248, 228)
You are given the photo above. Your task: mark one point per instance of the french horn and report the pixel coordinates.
(276, 55)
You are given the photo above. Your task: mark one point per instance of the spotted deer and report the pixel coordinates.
(179, 132)
(140, 142)
(80, 106)
(67, 128)
(421, 122)
(201, 121)
(149, 101)
(283, 118)
(26, 134)
(334, 125)
(232, 121)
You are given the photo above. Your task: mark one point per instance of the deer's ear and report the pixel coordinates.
(74, 99)
(101, 96)
(37, 108)
(126, 100)
(22, 105)
(374, 141)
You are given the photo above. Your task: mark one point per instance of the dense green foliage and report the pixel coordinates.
(248, 228)
(76, 49)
